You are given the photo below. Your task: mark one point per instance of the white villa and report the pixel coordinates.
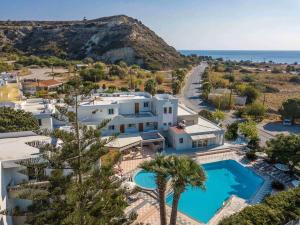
(15, 147)
(142, 119)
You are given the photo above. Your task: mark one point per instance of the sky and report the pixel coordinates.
(184, 24)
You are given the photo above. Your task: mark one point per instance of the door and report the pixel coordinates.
(122, 128)
(136, 108)
(141, 127)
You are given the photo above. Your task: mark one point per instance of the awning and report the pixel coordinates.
(203, 137)
(125, 142)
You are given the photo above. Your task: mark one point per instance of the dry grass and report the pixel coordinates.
(281, 81)
(9, 92)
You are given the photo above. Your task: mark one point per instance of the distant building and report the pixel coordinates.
(33, 87)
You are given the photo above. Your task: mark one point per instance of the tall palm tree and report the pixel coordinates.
(159, 166)
(184, 172)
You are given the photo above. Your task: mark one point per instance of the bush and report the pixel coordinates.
(251, 93)
(248, 78)
(295, 79)
(229, 77)
(277, 209)
(256, 111)
(277, 185)
(251, 155)
(270, 89)
(159, 78)
(206, 114)
(232, 131)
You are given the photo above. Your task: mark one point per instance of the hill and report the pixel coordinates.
(110, 39)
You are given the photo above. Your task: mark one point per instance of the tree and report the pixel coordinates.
(206, 114)
(150, 86)
(277, 209)
(206, 88)
(232, 131)
(159, 78)
(159, 166)
(176, 85)
(248, 129)
(251, 93)
(290, 109)
(16, 120)
(92, 74)
(256, 111)
(184, 172)
(285, 149)
(218, 115)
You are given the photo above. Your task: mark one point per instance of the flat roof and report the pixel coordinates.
(202, 126)
(15, 148)
(125, 140)
(107, 99)
(37, 106)
(184, 111)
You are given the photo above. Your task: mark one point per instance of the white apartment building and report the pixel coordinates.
(15, 147)
(140, 118)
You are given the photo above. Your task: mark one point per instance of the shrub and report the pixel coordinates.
(295, 79)
(232, 131)
(248, 78)
(256, 111)
(277, 209)
(206, 114)
(270, 89)
(277, 185)
(251, 93)
(159, 78)
(251, 155)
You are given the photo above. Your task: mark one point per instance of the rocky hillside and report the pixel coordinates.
(110, 39)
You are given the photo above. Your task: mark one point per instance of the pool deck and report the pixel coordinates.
(147, 207)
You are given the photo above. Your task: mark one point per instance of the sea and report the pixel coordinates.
(289, 57)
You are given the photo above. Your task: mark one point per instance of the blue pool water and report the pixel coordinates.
(224, 178)
(145, 180)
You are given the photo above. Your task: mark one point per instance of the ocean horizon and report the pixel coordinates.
(276, 56)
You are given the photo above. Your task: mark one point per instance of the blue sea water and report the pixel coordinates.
(224, 179)
(289, 57)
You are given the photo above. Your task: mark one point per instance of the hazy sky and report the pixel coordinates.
(185, 24)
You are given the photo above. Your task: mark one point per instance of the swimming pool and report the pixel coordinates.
(145, 180)
(224, 178)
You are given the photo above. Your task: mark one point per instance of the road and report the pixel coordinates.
(191, 92)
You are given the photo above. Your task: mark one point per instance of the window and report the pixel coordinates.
(111, 127)
(131, 125)
(180, 140)
(194, 144)
(170, 109)
(148, 124)
(146, 104)
(110, 111)
(165, 124)
(40, 122)
(165, 110)
(170, 124)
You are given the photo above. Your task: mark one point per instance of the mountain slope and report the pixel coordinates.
(110, 39)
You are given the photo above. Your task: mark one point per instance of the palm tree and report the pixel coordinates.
(184, 172)
(159, 166)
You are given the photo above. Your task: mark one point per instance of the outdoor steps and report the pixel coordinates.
(263, 191)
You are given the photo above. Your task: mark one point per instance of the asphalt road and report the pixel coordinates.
(191, 92)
